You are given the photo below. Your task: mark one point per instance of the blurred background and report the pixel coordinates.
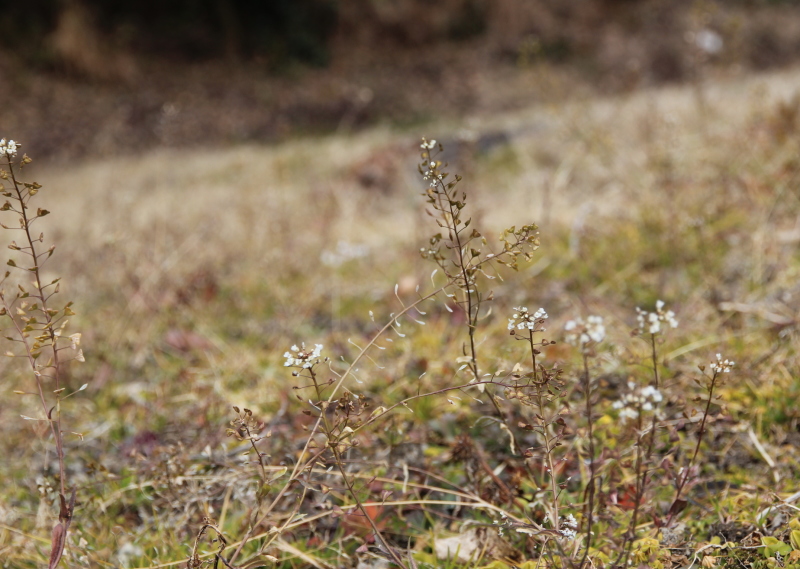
(125, 76)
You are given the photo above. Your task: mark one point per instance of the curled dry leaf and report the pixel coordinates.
(57, 547)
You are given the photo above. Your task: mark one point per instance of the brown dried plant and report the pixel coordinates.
(35, 326)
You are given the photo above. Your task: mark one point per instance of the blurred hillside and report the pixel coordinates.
(119, 77)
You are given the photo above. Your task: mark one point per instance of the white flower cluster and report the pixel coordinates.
(643, 398)
(8, 148)
(721, 366)
(526, 319)
(300, 357)
(569, 527)
(651, 321)
(580, 333)
(432, 175)
(431, 166)
(426, 145)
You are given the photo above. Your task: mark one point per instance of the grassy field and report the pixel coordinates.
(194, 272)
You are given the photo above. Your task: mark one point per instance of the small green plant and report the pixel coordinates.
(778, 553)
(36, 324)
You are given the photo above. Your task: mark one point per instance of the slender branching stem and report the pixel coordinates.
(545, 432)
(46, 338)
(590, 486)
(643, 457)
(333, 443)
(655, 359)
(467, 270)
(684, 477)
(55, 423)
(306, 457)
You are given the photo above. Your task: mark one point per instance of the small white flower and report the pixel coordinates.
(568, 533)
(8, 148)
(670, 316)
(527, 321)
(427, 145)
(582, 333)
(569, 527)
(299, 357)
(646, 399)
(651, 321)
(595, 328)
(721, 366)
(648, 390)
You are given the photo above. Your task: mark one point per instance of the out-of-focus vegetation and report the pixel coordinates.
(86, 77)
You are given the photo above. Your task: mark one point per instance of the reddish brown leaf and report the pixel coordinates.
(58, 542)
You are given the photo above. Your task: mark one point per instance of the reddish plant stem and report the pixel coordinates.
(590, 488)
(687, 469)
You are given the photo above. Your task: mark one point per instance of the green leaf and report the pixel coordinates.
(794, 537)
(773, 545)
